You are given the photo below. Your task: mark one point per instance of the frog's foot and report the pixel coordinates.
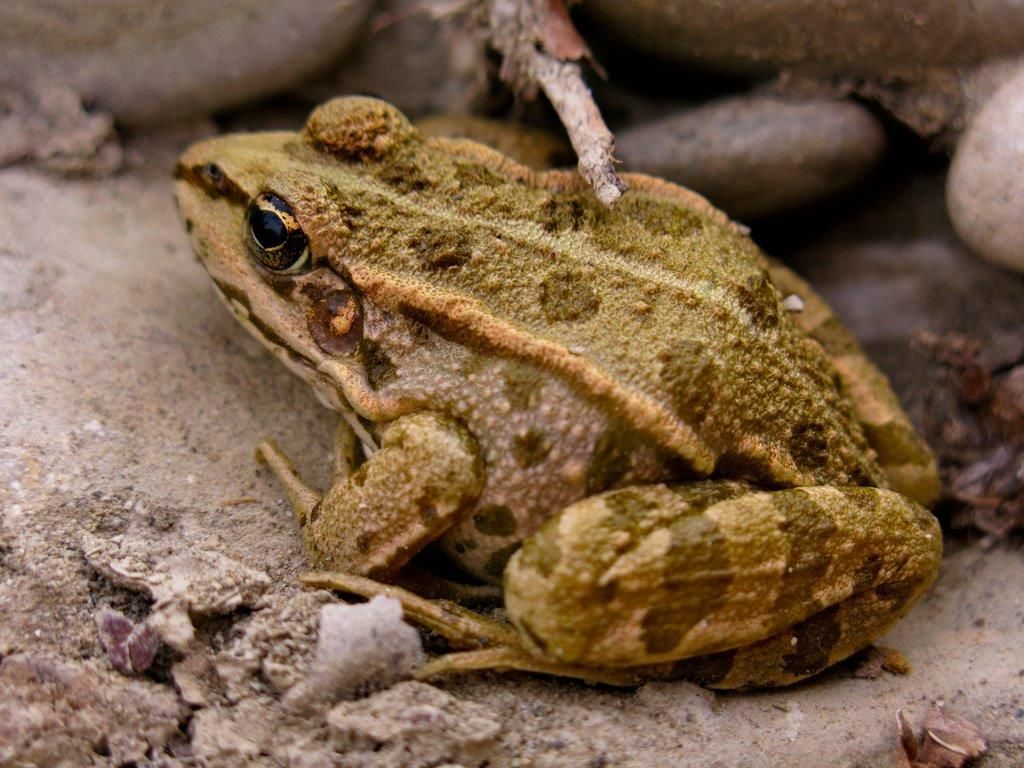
(373, 519)
(487, 644)
(739, 588)
(302, 497)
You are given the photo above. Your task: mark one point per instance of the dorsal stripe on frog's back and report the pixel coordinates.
(463, 320)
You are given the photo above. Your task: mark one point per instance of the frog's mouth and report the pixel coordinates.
(328, 394)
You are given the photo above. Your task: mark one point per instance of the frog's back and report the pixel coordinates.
(659, 307)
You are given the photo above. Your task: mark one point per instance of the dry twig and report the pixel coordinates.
(540, 47)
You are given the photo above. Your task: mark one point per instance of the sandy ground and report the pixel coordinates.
(130, 402)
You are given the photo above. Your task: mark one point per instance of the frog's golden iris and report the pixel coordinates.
(275, 237)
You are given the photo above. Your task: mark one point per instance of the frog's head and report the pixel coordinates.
(269, 216)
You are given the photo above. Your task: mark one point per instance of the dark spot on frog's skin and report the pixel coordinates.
(379, 368)
(808, 444)
(189, 225)
(898, 592)
(808, 528)
(522, 385)
(530, 448)
(866, 573)
(349, 214)
(495, 520)
(697, 574)
(690, 378)
(564, 296)
(213, 182)
(561, 213)
(705, 670)
(405, 177)
(335, 321)
(611, 459)
(427, 511)
(815, 639)
(358, 478)
(541, 552)
(628, 509)
(476, 175)
(363, 542)
(495, 565)
(440, 250)
(866, 498)
(759, 299)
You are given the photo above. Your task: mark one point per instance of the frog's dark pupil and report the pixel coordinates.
(268, 230)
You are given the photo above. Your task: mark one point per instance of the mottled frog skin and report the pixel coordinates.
(608, 411)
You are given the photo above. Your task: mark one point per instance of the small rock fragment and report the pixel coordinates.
(361, 648)
(414, 725)
(946, 741)
(757, 156)
(876, 659)
(194, 677)
(130, 647)
(985, 187)
(195, 581)
(275, 643)
(47, 122)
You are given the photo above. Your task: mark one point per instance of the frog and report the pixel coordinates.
(659, 446)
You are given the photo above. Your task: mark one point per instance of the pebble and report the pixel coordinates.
(756, 156)
(985, 187)
(852, 37)
(361, 648)
(157, 62)
(414, 725)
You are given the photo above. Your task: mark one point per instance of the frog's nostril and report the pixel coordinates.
(213, 172)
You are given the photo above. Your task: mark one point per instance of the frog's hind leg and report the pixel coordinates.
(796, 580)
(908, 463)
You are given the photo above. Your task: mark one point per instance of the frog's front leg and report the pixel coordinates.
(425, 476)
(776, 585)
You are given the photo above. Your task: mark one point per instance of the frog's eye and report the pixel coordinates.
(275, 237)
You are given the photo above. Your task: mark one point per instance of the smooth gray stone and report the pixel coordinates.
(869, 37)
(154, 61)
(757, 156)
(985, 187)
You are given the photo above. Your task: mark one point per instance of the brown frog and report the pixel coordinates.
(664, 447)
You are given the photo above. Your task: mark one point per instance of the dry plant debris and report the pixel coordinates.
(975, 419)
(945, 742)
(541, 48)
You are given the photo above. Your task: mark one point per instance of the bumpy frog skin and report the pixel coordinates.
(609, 412)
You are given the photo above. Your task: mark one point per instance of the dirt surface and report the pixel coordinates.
(130, 405)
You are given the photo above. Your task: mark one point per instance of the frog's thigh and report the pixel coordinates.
(650, 574)
(908, 463)
(425, 476)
